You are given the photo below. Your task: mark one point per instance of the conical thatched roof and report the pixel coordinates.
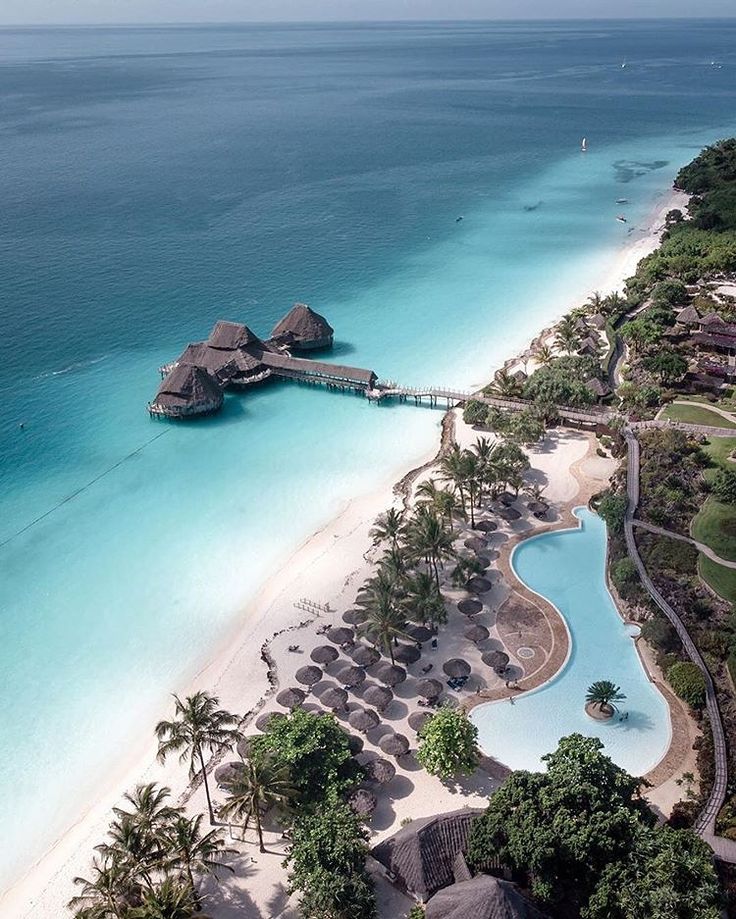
(498, 660)
(688, 316)
(303, 328)
(363, 719)
(365, 656)
(477, 633)
(351, 676)
(598, 387)
(291, 698)
(263, 721)
(482, 897)
(339, 635)
(378, 696)
(419, 632)
(470, 607)
(229, 773)
(422, 855)
(429, 689)
(187, 390)
(598, 321)
(229, 336)
(475, 543)
(486, 526)
(334, 698)
(480, 585)
(308, 675)
(407, 654)
(392, 675)
(380, 770)
(362, 802)
(417, 720)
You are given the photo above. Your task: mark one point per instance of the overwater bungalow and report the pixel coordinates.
(186, 392)
(231, 354)
(302, 329)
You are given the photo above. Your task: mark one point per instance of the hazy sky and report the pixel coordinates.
(71, 11)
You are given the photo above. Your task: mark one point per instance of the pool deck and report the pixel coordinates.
(544, 630)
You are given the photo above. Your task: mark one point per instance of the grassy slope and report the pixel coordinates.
(715, 525)
(696, 414)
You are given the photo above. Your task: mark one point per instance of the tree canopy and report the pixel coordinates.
(448, 743)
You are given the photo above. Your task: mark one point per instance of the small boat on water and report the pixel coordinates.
(621, 218)
(622, 200)
(623, 65)
(584, 145)
(458, 219)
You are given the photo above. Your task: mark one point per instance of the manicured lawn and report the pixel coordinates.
(726, 400)
(720, 579)
(715, 526)
(719, 449)
(697, 414)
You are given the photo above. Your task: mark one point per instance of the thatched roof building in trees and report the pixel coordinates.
(303, 330)
(187, 391)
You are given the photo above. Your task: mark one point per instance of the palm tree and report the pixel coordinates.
(423, 602)
(427, 538)
(190, 851)
(103, 895)
(442, 501)
(613, 302)
(134, 851)
(385, 622)
(394, 565)
(504, 384)
(453, 469)
(604, 694)
(260, 786)
(199, 725)
(594, 302)
(170, 900)
(544, 355)
(388, 527)
(567, 339)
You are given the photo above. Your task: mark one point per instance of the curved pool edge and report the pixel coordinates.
(524, 541)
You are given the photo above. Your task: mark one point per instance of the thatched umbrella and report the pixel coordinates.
(475, 544)
(506, 498)
(486, 526)
(407, 654)
(355, 616)
(291, 698)
(477, 633)
(363, 719)
(334, 698)
(351, 676)
(419, 632)
(339, 635)
(308, 675)
(263, 721)
(380, 770)
(392, 675)
(470, 607)
(362, 802)
(483, 560)
(417, 720)
(355, 744)
(510, 513)
(394, 744)
(324, 654)
(478, 585)
(243, 746)
(498, 660)
(365, 656)
(456, 667)
(429, 689)
(378, 696)
(229, 773)
(538, 507)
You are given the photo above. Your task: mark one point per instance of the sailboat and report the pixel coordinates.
(623, 65)
(584, 145)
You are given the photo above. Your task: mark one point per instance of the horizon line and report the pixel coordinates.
(347, 22)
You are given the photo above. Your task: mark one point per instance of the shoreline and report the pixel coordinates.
(326, 567)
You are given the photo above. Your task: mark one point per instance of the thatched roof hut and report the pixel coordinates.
(589, 347)
(303, 330)
(599, 388)
(598, 321)
(186, 392)
(688, 316)
(482, 897)
(422, 855)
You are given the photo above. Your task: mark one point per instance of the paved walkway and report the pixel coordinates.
(701, 547)
(705, 824)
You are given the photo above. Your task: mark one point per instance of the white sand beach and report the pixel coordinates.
(327, 569)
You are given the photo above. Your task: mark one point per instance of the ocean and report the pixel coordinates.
(156, 179)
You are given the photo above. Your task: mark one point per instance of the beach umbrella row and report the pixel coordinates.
(229, 773)
(355, 616)
(291, 698)
(475, 544)
(334, 698)
(350, 676)
(419, 632)
(362, 802)
(478, 585)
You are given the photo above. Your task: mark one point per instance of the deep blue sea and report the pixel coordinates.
(153, 180)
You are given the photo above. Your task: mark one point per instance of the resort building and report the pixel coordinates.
(302, 329)
(187, 391)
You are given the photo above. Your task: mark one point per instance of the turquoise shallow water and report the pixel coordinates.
(154, 180)
(568, 568)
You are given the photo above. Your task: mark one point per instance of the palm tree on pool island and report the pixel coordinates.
(198, 726)
(603, 694)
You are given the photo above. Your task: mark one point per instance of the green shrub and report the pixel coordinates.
(731, 664)
(724, 485)
(475, 412)
(659, 632)
(612, 509)
(688, 682)
(625, 577)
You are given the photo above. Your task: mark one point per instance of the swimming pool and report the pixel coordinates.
(567, 567)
